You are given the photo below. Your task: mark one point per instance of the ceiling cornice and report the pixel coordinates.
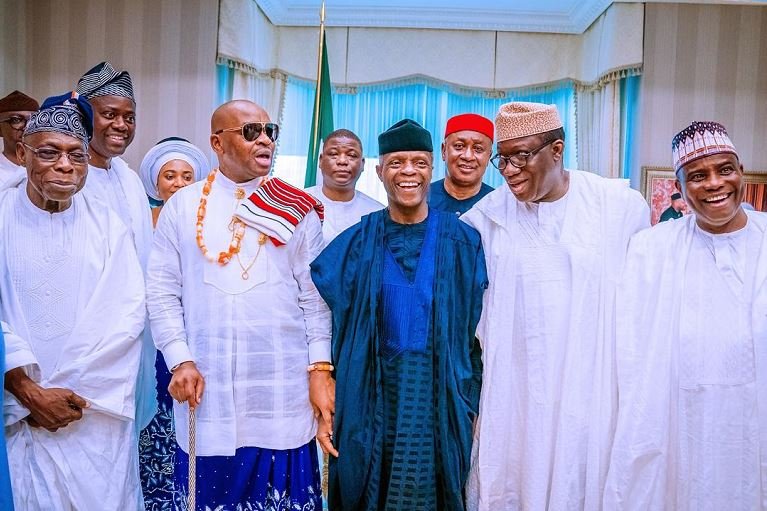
(572, 19)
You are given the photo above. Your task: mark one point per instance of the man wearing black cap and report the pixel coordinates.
(15, 109)
(674, 211)
(405, 288)
(73, 298)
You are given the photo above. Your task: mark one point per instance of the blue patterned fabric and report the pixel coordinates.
(406, 297)
(254, 479)
(372, 415)
(157, 448)
(408, 477)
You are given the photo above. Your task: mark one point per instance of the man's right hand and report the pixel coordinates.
(54, 408)
(51, 408)
(187, 384)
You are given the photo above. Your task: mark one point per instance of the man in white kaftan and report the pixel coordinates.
(341, 163)
(555, 242)
(15, 110)
(690, 353)
(115, 184)
(72, 295)
(249, 321)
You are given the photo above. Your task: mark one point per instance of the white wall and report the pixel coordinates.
(469, 58)
(704, 62)
(168, 46)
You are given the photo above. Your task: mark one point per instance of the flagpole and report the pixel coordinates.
(315, 140)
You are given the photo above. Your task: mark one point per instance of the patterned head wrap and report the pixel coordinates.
(68, 113)
(519, 119)
(103, 80)
(17, 101)
(700, 139)
(173, 148)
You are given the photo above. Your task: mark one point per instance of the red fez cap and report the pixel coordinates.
(470, 122)
(18, 102)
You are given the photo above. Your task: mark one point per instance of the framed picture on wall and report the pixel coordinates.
(658, 185)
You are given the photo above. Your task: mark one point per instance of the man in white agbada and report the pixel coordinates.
(15, 110)
(690, 348)
(555, 242)
(341, 164)
(72, 294)
(110, 180)
(235, 313)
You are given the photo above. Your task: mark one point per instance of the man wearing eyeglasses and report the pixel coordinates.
(73, 299)
(240, 324)
(556, 241)
(15, 110)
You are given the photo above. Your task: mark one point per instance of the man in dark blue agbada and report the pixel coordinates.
(405, 288)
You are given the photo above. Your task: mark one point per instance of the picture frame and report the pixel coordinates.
(658, 184)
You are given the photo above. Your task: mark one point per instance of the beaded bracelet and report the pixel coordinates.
(320, 366)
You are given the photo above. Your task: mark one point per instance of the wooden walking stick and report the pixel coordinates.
(192, 500)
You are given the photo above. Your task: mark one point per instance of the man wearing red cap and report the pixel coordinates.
(466, 151)
(15, 110)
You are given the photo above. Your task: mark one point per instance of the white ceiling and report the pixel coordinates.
(557, 16)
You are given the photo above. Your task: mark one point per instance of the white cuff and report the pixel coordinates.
(176, 352)
(319, 351)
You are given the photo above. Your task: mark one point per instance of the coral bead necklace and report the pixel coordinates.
(237, 227)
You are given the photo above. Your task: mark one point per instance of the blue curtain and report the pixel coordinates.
(369, 110)
(224, 83)
(629, 93)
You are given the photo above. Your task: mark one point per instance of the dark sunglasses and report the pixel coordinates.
(252, 130)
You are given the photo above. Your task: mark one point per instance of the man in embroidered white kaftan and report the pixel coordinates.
(341, 164)
(15, 110)
(110, 94)
(690, 353)
(72, 294)
(235, 313)
(555, 241)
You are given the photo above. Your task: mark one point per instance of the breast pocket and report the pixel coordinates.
(239, 276)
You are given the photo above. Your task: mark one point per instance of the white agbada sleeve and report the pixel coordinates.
(546, 330)
(166, 314)
(102, 354)
(308, 243)
(100, 358)
(659, 398)
(18, 353)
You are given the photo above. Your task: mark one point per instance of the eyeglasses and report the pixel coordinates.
(53, 155)
(252, 130)
(517, 160)
(17, 122)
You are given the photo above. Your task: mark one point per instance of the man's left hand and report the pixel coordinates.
(322, 395)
